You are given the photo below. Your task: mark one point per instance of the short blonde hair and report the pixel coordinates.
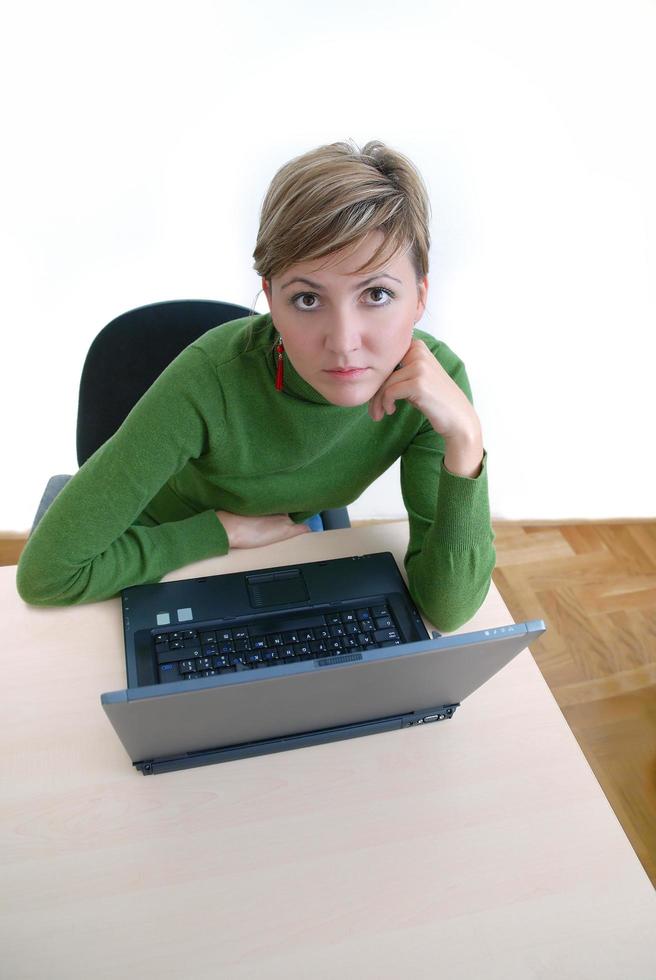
(331, 197)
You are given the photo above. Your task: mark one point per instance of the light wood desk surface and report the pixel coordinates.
(478, 847)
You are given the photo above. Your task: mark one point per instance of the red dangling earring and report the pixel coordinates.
(280, 350)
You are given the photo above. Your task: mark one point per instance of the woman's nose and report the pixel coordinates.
(343, 334)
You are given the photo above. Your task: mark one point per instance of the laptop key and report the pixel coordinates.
(381, 635)
(383, 621)
(172, 656)
(168, 673)
(377, 611)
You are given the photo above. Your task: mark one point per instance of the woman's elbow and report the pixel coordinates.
(38, 589)
(27, 586)
(448, 613)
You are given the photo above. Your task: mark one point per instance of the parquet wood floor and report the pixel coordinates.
(595, 587)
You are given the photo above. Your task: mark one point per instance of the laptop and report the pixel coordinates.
(231, 666)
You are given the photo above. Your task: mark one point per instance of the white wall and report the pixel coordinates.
(139, 139)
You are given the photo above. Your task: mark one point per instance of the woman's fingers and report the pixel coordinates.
(400, 383)
(394, 388)
(253, 532)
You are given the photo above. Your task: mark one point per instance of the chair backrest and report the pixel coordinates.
(130, 353)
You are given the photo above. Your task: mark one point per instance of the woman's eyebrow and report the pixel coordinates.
(317, 285)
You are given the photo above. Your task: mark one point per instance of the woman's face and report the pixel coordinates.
(333, 319)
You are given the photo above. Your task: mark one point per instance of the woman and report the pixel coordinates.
(266, 420)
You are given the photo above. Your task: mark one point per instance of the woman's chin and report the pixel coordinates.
(348, 393)
(350, 398)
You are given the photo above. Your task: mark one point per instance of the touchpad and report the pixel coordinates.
(277, 588)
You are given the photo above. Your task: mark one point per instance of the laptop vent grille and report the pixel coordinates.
(331, 661)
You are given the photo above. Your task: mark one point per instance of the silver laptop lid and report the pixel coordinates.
(234, 709)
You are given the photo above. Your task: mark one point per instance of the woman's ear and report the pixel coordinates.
(266, 286)
(422, 295)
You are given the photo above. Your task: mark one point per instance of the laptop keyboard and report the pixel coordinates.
(207, 652)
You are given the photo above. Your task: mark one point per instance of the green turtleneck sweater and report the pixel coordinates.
(212, 433)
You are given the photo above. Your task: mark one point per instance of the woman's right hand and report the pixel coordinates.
(251, 532)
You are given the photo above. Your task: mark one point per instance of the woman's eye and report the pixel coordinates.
(379, 292)
(306, 301)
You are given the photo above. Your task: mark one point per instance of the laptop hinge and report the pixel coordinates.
(229, 753)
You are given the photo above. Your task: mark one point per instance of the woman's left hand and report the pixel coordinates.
(423, 382)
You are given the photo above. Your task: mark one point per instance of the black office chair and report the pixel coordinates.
(123, 362)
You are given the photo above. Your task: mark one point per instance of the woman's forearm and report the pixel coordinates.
(463, 454)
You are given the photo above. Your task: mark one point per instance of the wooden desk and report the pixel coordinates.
(479, 847)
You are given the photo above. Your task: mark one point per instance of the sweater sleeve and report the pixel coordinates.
(450, 556)
(87, 546)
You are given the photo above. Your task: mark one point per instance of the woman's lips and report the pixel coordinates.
(349, 375)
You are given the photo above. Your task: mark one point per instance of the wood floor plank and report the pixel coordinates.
(623, 682)
(625, 592)
(622, 543)
(583, 538)
(11, 546)
(586, 569)
(533, 544)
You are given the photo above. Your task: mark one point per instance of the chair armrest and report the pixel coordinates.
(335, 519)
(54, 485)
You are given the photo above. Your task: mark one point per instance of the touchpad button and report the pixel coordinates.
(277, 588)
